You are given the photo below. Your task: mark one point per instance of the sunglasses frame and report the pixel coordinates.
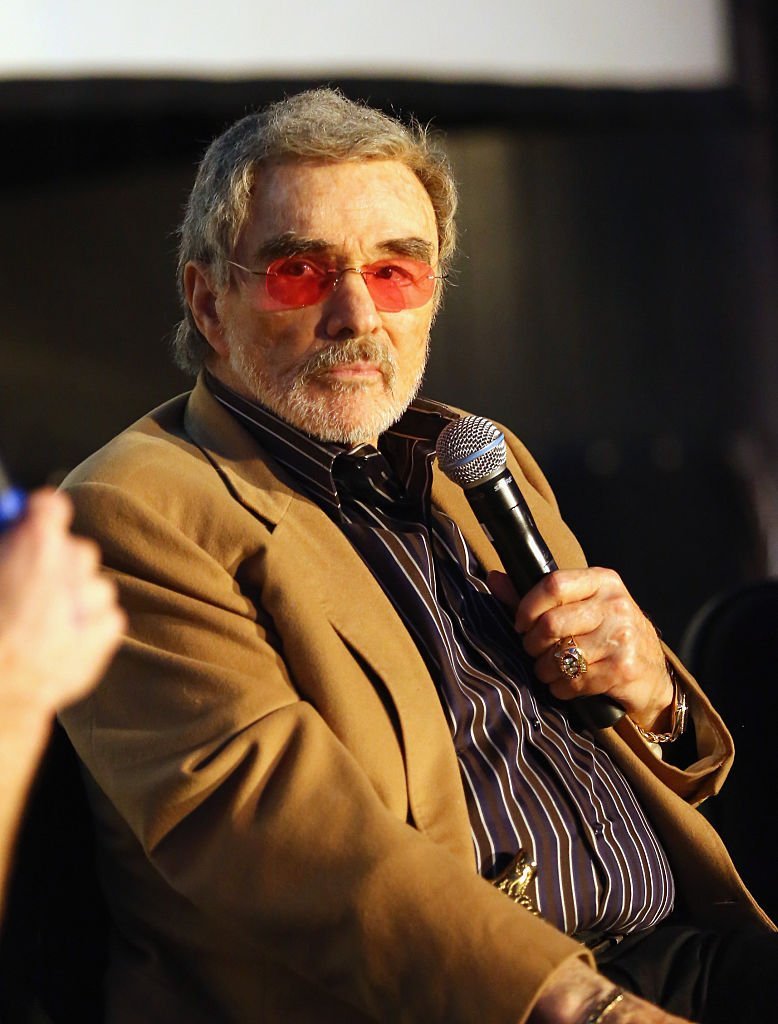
(336, 275)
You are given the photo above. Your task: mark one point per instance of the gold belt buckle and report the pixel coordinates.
(516, 880)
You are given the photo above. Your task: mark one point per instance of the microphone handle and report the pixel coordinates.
(507, 521)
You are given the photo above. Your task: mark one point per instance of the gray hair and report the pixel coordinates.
(320, 124)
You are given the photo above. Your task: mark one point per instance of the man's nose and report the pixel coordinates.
(349, 309)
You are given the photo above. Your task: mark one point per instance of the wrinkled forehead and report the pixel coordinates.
(358, 204)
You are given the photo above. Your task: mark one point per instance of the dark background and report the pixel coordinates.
(614, 301)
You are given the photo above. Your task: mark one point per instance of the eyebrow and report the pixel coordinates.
(292, 244)
(415, 248)
(289, 244)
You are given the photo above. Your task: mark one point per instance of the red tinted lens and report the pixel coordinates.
(292, 282)
(399, 284)
(394, 284)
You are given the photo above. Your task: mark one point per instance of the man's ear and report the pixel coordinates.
(203, 302)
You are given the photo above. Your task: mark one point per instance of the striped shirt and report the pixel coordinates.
(533, 780)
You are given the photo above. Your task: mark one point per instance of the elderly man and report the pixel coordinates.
(325, 743)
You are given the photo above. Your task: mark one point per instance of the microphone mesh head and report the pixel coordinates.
(471, 450)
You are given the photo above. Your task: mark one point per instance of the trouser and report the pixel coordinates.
(707, 977)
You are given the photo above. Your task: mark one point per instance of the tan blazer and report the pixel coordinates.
(283, 825)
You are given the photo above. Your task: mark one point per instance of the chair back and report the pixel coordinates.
(731, 647)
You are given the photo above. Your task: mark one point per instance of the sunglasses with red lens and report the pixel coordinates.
(292, 282)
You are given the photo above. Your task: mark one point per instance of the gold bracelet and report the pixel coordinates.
(602, 1009)
(680, 711)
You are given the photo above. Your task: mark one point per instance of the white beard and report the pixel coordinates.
(326, 408)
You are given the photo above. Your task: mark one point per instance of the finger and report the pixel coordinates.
(584, 677)
(40, 534)
(83, 558)
(98, 646)
(564, 586)
(106, 632)
(619, 650)
(579, 619)
(588, 684)
(549, 668)
(54, 507)
(626, 646)
(92, 603)
(502, 587)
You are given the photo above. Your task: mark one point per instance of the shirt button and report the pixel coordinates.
(535, 723)
(599, 828)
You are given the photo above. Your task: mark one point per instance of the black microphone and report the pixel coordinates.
(471, 452)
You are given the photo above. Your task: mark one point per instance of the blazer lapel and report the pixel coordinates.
(306, 545)
(451, 499)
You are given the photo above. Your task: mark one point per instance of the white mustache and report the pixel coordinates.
(340, 353)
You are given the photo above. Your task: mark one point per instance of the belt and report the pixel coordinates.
(598, 942)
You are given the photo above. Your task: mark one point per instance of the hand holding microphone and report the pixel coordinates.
(623, 653)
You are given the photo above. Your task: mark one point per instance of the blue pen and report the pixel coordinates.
(13, 501)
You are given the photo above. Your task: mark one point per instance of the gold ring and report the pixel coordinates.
(572, 662)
